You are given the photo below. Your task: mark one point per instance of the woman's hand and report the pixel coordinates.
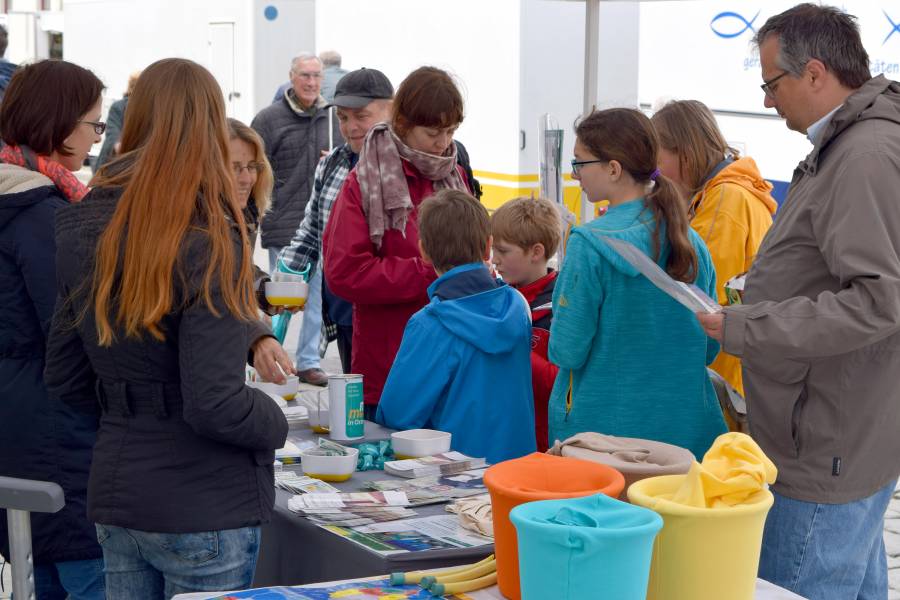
(271, 361)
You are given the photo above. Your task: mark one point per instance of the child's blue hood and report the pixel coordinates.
(479, 309)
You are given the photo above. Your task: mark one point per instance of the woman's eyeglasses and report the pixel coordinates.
(577, 164)
(251, 167)
(99, 126)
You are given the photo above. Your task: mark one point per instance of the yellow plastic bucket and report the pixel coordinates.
(702, 553)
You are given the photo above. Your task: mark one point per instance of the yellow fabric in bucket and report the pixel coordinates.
(734, 469)
(708, 548)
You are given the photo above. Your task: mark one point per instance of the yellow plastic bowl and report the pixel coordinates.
(702, 553)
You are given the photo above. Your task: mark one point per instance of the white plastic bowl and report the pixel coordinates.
(329, 468)
(287, 293)
(285, 390)
(416, 443)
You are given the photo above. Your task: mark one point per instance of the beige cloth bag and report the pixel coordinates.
(474, 514)
(636, 459)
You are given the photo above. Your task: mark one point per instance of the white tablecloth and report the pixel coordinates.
(764, 591)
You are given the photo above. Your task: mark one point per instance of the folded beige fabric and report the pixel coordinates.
(474, 514)
(635, 458)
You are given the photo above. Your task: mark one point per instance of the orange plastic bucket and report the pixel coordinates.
(537, 477)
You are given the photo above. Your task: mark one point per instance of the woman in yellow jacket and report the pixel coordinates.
(730, 204)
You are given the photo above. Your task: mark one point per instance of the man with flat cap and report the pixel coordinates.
(362, 98)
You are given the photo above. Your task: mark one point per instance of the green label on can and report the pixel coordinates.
(353, 393)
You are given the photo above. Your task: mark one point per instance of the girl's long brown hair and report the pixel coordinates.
(688, 129)
(627, 136)
(174, 169)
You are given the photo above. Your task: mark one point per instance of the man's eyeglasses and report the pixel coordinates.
(251, 167)
(767, 88)
(301, 75)
(99, 126)
(577, 164)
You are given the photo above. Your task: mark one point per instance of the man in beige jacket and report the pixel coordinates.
(819, 330)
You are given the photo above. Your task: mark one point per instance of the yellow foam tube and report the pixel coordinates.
(442, 589)
(414, 577)
(479, 570)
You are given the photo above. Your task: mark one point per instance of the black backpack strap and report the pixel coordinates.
(462, 158)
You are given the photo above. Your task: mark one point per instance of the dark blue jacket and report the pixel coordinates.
(39, 438)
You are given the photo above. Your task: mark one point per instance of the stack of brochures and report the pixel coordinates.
(448, 463)
(352, 509)
(435, 489)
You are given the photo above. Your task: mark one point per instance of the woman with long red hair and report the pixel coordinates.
(156, 313)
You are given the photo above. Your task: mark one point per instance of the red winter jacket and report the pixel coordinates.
(543, 372)
(386, 285)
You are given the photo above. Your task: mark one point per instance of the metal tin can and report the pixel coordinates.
(345, 407)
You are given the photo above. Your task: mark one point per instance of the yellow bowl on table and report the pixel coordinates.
(329, 468)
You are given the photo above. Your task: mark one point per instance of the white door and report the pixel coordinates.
(221, 61)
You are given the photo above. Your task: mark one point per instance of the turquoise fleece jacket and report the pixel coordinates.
(464, 366)
(637, 359)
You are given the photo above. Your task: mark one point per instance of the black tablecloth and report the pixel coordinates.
(295, 551)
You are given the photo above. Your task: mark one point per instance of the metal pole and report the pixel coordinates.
(19, 522)
(591, 53)
(591, 77)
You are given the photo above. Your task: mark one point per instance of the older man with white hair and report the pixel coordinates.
(296, 132)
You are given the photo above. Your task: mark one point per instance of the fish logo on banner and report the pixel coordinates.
(895, 27)
(731, 20)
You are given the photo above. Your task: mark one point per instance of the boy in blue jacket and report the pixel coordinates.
(464, 365)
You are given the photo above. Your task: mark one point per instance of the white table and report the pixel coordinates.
(764, 591)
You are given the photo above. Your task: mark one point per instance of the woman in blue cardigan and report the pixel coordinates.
(632, 360)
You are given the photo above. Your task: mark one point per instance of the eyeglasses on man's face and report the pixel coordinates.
(251, 167)
(577, 164)
(307, 74)
(99, 126)
(769, 88)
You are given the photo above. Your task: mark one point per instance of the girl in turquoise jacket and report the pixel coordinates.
(632, 360)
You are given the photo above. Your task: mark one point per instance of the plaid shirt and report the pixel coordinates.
(306, 246)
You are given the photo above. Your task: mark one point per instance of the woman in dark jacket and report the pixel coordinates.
(50, 119)
(155, 313)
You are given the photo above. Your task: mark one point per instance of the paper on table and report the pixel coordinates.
(438, 532)
(688, 295)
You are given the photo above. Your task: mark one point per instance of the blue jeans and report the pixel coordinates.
(141, 564)
(308, 344)
(828, 551)
(72, 579)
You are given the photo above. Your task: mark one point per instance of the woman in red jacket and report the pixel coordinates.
(371, 245)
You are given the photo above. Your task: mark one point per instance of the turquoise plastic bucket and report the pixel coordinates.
(589, 547)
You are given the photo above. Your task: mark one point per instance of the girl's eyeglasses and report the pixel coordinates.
(99, 126)
(577, 164)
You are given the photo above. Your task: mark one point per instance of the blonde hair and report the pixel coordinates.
(265, 179)
(528, 221)
(688, 129)
(132, 81)
(175, 175)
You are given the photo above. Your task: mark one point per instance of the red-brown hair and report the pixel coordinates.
(627, 136)
(174, 169)
(428, 97)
